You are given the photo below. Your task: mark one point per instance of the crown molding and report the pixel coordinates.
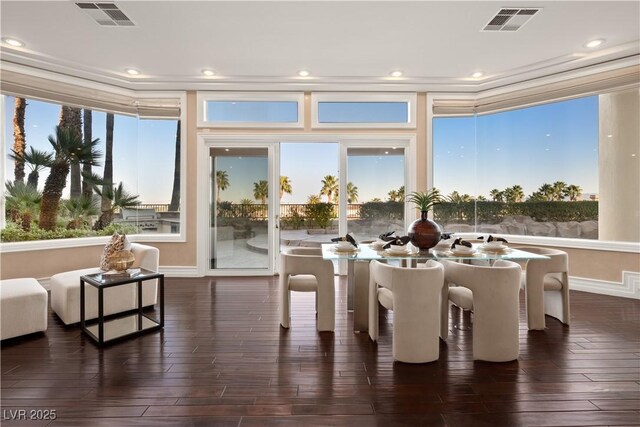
(68, 69)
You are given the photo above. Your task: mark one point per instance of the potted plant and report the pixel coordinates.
(424, 233)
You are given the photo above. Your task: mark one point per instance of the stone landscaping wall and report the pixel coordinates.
(525, 225)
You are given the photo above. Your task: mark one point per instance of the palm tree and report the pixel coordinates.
(80, 210)
(573, 192)
(285, 186)
(71, 117)
(393, 195)
(401, 194)
(312, 199)
(518, 193)
(456, 197)
(174, 205)
(87, 122)
(36, 160)
(481, 198)
(22, 202)
(496, 195)
(537, 196)
(352, 193)
(547, 191)
(329, 187)
(107, 176)
(69, 149)
(118, 199)
(19, 139)
(261, 191)
(558, 190)
(222, 182)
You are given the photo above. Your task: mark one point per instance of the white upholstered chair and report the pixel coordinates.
(414, 295)
(304, 270)
(496, 306)
(65, 289)
(546, 284)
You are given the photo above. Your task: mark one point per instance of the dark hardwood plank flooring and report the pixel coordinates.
(223, 360)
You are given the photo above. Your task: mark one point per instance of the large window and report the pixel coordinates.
(133, 186)
(531, 171)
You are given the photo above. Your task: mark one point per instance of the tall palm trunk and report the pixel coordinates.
(107, 177)
(19, 140)
(175, 193)
(52, 194)
(71, 117)
(33, 178)
(87, 189)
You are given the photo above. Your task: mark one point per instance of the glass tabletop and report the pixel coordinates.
(130, 275)
(369, 251)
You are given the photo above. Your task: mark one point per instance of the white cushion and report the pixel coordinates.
(462, 297)
(303, 283)
(65, 296)
(385, 296)
(552, 283)
(23, 307)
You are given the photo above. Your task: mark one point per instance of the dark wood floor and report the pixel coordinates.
(223, 359)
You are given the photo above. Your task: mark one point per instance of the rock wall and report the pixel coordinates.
(524, 225)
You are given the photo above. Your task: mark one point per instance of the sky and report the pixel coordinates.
(527, 147)
(143, 150)
(472, 155)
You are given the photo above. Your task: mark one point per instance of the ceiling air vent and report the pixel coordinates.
(510, 19)
(106, 14)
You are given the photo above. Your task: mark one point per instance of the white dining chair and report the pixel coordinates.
(304, 270)
(546, 284)
(494, 292)
(414, 295)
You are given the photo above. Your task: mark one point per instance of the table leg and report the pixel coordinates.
(361, 296)
(161, 282)
(82, 314)
(100, 315)
(350, 277)
(139, 290)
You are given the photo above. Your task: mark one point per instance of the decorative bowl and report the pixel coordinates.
(121, 260)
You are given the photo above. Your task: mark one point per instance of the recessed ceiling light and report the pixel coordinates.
(594, 43)
(304, 73)
(12, 42)
(477, 74)
(132, 71)
(207, 72)
(396, 73)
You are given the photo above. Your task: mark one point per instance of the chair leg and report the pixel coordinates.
(285, 308)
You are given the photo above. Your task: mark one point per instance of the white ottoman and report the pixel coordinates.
(65, 290)
(23, 307)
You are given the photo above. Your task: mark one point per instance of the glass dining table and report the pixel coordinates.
(358, 267)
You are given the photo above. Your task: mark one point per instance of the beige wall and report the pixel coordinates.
(601, 265)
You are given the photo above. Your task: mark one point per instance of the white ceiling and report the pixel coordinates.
(262, 45)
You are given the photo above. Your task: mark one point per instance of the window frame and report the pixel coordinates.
(9, 247)
(204, 97)
(410, 98)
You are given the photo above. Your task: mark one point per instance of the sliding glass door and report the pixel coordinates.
(242, 225)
